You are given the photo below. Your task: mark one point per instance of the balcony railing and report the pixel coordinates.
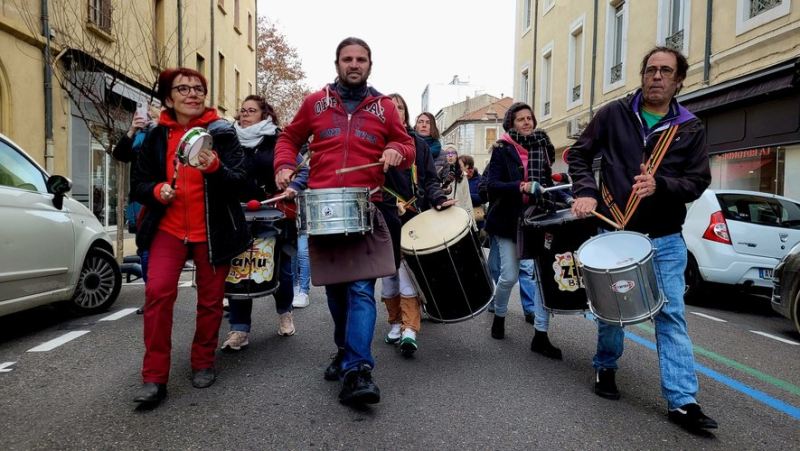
(675, 42)
(576, 93)
(616, 73)
(546, 108)
(759, 6)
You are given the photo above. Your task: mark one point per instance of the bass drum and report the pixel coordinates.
(447, 264)
(254, 272)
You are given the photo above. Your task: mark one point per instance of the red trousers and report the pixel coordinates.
(167, 257)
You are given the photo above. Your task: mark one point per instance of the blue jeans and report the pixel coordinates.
(352, 307)
(241, 310)
(509, 273)
(675, 355)
(527, 286)
(301, 274)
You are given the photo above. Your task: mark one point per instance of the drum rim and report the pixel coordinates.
(354, 190)
(191, 138)
(647, 257)
(567, 218)
(661, 301)
(439, 246)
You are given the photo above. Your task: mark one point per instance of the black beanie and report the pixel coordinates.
(508, 121)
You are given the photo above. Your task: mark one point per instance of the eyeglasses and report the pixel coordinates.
(666, 71)
(248, 111)
(184, 90)
(450, 153)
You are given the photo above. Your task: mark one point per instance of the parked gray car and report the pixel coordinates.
(52, 248)
(786, 291)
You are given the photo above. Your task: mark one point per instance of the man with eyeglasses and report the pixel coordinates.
(352, 125)
(654, 159)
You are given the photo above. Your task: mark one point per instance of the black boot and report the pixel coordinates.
(358, 387)
(499, 327)
(605, 384)
(151, 393)
(541, 345)
(333, 370)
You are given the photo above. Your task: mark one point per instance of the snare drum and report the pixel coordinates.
(554, 239)
(190, 145)
(334, 211)
(447, 264)
(620, 277)
(254, 272)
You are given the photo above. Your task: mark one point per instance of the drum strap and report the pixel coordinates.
(664, 141)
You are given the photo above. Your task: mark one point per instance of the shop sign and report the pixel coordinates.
(743, 154)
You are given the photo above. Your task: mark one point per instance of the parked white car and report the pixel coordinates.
(52, 248)
(737, 238)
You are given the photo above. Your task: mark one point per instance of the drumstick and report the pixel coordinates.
(273, 199)
(409, 201)
(356, 168)
(300, 166)
(610, 222)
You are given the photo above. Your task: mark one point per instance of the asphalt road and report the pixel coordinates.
(463, 390)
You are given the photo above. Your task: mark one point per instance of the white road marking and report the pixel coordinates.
(185, 284)
(712, 318)
(4, 367)
(119, 314)
(52, 344)
(764, 334)
(132, 284)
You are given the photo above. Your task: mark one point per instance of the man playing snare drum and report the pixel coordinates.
(352, 125)
(654, 161)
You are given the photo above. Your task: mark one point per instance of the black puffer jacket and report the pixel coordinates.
(228, 234)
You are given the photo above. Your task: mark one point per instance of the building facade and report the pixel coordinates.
(477, 127)
(573, 57)
(439, 95)
(104, 58)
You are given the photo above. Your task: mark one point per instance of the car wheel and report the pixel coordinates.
(795, 311)
(694, 283)
(99, 283)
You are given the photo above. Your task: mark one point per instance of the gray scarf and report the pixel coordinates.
(252, 136)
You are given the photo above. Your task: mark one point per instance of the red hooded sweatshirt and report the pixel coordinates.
(344, 140)
(185, 218)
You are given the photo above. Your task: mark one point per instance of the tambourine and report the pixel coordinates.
(190, 145)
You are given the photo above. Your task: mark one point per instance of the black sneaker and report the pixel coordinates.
(499, 327)
(358, 387)
(690, 417)
(334, 370)
(605, 385)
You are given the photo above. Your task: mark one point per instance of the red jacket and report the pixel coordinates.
(342, 140)
(185, 217)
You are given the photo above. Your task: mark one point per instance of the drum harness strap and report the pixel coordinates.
(652, 164)
(409, 206)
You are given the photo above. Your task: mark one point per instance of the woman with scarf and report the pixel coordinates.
(419, 186)
(427, 130)
(257, 128)
(191, 211)
(521, 161)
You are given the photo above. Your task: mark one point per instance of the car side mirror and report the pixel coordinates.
(58, 186)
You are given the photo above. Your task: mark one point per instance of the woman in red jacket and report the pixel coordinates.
(192, 212)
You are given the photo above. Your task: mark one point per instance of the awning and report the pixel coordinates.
(773, 79)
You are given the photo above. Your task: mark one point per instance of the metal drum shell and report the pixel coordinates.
(334, 211)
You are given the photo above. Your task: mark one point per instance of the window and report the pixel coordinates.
(201, 64)
(490, 137)
(547, 6)
(524, 83)
(616, 45)
(754, 13)
(160, 30)
(236, 16)
(673, 24)
(221, 6)
(17, 172)
(100, 14)
(760, 210)
(575, 69)
(249, 88)
(547, 81)
(237, 87)
(250, 30)
(526, 15)
(221, 77)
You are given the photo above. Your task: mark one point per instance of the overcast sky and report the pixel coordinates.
(414, 42)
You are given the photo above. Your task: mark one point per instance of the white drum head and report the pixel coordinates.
(429, 231)
(614, 250)
(190, 145)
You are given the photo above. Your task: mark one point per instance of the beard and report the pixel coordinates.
(345, 81)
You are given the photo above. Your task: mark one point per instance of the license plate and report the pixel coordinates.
(765, 273)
